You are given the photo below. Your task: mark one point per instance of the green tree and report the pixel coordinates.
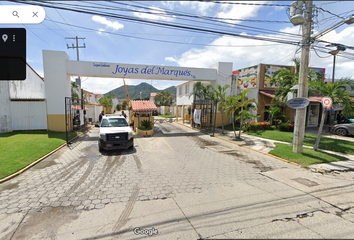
(231, 108)
(239, 102)
(118, 107)
(287, 78)
(338, 94)
(124, 104)
(163, 98)
(106, 101)
(74, 94)
(276, 114)
(220, 96)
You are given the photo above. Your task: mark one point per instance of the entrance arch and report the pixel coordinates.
(58, 68)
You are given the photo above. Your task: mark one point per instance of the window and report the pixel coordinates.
(187, 88)
(180, 91)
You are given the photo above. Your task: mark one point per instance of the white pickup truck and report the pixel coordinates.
(115, 133)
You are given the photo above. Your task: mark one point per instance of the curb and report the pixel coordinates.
(267, 154)
(38, 160)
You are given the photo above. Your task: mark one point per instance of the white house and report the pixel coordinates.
(23, 103)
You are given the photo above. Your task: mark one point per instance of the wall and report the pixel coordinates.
(57, 87)
(31, 88)
(183, 98)
(29, 115)
(5, 110)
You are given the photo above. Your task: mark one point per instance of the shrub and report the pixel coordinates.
(146, 124)
(286, 127)
(255, 126)
(118, 107)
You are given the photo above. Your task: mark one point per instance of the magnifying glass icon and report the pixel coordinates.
(15, 14)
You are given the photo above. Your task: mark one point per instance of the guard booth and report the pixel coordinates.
(140, 110)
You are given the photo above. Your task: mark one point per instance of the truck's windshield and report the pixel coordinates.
(114, 122)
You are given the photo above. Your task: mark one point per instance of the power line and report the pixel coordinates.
(78, 8)
(180, 27)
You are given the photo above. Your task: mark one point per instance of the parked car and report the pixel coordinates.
(344, 129)
(115, 133)
(155, 113)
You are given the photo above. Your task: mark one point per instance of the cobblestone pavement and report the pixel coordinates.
(175, 160)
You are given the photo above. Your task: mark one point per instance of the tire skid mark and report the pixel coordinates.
(124, 217)
(138, 163)
(110, 166)
(81, 179)
(53, 177)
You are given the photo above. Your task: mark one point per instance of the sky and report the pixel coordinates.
(117, 40)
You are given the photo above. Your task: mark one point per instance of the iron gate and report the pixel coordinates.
(75, 117)
(206, 118)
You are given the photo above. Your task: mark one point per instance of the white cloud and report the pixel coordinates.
(199, 7)
(170, 59)
(109, 24)
(238, 11)
(155, 14)
(266, 52)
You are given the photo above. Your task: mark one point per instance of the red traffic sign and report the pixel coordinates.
(326, 102)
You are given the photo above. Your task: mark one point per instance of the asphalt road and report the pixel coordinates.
(178, 184)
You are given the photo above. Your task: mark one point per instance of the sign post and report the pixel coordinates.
(297, 103)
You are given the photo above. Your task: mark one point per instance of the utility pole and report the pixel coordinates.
(77, 53)
(303, 91)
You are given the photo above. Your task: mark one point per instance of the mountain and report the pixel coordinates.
(134, 91)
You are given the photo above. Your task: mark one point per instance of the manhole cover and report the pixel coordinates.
(305, 182)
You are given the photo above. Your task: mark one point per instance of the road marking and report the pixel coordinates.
(140, 145)
(166, 143)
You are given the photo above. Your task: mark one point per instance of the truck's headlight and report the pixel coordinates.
(130, 135)
(103, 136)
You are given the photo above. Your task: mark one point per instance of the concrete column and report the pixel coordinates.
(57, 87)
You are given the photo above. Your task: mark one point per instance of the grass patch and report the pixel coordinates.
(167, 116)
(229, 127)
(306, 158)
(330, 144)
(21, 148)
(223, 134)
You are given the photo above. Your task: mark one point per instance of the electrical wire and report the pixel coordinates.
(160, 23)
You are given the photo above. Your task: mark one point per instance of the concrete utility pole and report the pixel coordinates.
(303, 91)
(77, 53)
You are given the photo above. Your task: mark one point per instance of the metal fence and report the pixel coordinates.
(75, 117)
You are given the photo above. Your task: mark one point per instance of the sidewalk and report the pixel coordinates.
(266, 145)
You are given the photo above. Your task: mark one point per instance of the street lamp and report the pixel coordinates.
(334, 53)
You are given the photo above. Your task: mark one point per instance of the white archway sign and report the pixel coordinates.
(58, 68)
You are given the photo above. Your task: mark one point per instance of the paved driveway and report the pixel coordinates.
(192, 177)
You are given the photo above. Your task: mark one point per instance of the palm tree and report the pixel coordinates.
(338, 94)
(286, 78)
(276, 113)
(220, 95)
(239, 102)
(106, 101)
(163, 98)
(231, 107)
(243, 102)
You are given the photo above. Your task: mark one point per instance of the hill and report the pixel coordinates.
(134, 91)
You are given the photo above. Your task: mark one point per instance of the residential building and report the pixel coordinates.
(23, 103)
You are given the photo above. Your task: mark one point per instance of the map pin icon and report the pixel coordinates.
(4, 37)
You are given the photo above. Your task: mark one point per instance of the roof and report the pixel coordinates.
(271, 94)
(153, 94)
(143, 106)
(34, 71)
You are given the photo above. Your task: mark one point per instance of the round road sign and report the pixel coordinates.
(326, 102)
